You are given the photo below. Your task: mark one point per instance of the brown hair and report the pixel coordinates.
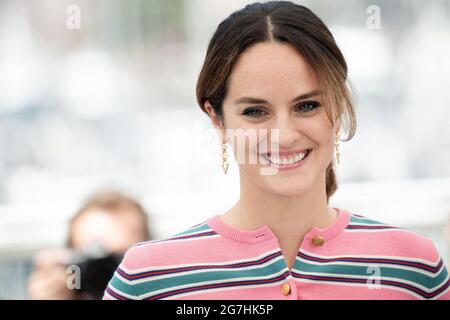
(286, 22)
(113, 202)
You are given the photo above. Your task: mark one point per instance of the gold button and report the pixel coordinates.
(318, 241)
(286, 288)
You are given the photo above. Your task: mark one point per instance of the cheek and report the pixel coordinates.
(246, 142)
(246, 149)
(324, 139)
(320, 131)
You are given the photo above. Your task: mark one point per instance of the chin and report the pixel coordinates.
(288, 189)
(285, 186)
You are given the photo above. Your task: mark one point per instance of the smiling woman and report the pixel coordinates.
(269, 67)
(274, 60)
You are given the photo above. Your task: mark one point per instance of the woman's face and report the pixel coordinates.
(277, 74)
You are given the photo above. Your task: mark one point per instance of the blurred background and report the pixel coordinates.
(110, 103)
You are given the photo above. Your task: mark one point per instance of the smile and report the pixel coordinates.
(287, 161)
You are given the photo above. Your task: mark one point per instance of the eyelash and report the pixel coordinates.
(250, 111)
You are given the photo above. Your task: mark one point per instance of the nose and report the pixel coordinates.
(289, 133)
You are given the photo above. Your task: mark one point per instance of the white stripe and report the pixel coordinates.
(216, 282)
(260, 286)
(107, 296)
(112, 288)
(404, 230)
(359, 285)
(414, 284)
(440, 294)
(192, 272)
(189, 232)
(172, 239)
(372, 264)
(358, 224)
(374, 230)
(227, 262)
(427, 262)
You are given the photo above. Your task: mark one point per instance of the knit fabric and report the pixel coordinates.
(353, 258)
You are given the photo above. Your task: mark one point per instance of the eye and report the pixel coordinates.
(307, 106)
(254, 112)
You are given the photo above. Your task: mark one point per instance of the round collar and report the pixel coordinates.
(264, 232)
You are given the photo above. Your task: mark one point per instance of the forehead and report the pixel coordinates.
(269, 69)
(98, 220)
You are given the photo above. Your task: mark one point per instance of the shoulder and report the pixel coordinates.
(407, 258)
(168, 250)
(397, 240)
(391, 239)
(146, 265)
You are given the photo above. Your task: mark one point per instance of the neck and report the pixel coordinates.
(289, 217)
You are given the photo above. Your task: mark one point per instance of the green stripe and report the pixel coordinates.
(385, 271)
(210, 275)
(301, 266)
(193, 230)
(364, 220)
(121, 286)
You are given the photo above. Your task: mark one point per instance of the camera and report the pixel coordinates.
(97, 266)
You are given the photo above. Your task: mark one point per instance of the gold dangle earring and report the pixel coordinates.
(336, 144)
(224, 158)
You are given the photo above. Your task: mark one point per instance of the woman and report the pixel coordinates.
(273, 71)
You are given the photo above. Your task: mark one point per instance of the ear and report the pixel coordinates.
(216, 121)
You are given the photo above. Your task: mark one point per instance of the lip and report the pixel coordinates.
(288, 153)
(284, 167)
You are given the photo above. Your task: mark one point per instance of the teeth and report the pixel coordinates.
(286, 160)
(291, 160)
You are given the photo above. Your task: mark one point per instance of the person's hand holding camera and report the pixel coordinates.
(49, 278)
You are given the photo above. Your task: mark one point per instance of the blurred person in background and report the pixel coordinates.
(99, 234)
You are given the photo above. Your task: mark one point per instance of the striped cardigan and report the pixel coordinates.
(353, 258)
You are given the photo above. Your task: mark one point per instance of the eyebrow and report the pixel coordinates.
(257, 100)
